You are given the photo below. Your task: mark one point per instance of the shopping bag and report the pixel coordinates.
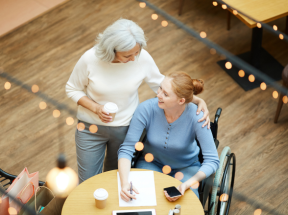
(22, 188)
(44, 197)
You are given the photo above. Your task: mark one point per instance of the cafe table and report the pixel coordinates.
(81, 200)
(264, 11)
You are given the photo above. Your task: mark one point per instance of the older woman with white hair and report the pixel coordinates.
(111, 71)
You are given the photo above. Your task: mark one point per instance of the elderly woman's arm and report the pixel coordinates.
(202, 106)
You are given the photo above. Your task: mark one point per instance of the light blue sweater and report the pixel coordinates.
(171, 144)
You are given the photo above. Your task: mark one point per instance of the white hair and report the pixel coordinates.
(121, 36)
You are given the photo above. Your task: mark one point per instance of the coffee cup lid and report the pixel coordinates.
(111, 107)
(100, 194)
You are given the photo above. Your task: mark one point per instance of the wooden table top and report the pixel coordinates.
(261, 10)
(81, 200)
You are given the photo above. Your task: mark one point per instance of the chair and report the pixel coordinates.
(7, 179)
(217, 188)
(280, 102)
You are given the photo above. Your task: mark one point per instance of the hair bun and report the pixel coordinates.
(198, 86)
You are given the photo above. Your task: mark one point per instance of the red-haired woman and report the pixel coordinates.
(172, 125)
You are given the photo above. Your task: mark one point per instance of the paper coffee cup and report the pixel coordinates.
(100, 196)
(111, 108)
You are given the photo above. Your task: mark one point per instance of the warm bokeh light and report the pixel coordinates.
(215, 3)
(251, 78)
(212, 51)
(259, 25)
(149, 157)
(42, 105)
(281, 36)
(166, 169)
(164, 23)
(224, 6)
(275, 27)
(7, 85)
(195, 185)
(285, 99)
(275, 94)
(12, 211)
(80, 126)
(203, 34)
(241, 73)
(179, 176)
(142, 4)
(263, 86)
(139, 146)
(154, 16)
(235, 12)
(228, 65)
(56, 113)
(224, 197)
(35, 88)
(258, 212)
(93, 128)
(0, 200)
(69, 120)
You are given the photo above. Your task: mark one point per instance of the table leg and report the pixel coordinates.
(256, 46)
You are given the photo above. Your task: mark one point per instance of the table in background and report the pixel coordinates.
(81, 200)
(264, 11)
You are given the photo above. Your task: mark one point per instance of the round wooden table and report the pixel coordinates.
(81, 200)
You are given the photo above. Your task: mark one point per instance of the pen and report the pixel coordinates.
(131, 190)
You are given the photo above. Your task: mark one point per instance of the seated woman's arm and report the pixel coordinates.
(139, 121)
(210, 156)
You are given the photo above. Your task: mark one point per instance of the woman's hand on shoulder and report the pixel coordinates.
(102, 114)
(203, 107)
(125, 192)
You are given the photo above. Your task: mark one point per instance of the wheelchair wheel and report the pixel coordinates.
(222, 189)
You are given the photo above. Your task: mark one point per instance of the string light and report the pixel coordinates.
(12, 211)
(93, 128)
(139, 146)
(7, 85)
(42, 105)
(69, 120)
(224, 197)
(164, 23)
(203, 34)
(263, 86)
(228, 65)
(142, 4)
(149, 157)
(285, 99)
(275, 94)
(80, 126)
(275, 27)
(154, 16)
(195, 185)
(166, 169)
(56, 113)
(235, 12)
(224, 6)
(34, 88)
(259, 25)
(241, 73)
(215, 3)
(251, 78)
(281, 36)
(258, 212)
(179, 176)
(212, 51)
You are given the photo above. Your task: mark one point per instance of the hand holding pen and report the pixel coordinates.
(127, 192)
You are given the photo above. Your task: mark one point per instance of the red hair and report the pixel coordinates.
(184, 86)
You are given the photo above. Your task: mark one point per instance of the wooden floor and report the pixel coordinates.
(44, 52)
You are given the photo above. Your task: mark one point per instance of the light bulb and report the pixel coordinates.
(62, 180)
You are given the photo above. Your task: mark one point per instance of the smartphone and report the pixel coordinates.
(172, 191)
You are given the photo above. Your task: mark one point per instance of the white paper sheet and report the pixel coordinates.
(144, 183)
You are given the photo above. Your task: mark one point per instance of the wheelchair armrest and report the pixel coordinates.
(137, 154)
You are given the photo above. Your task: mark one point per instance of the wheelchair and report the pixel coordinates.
(218, 187)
